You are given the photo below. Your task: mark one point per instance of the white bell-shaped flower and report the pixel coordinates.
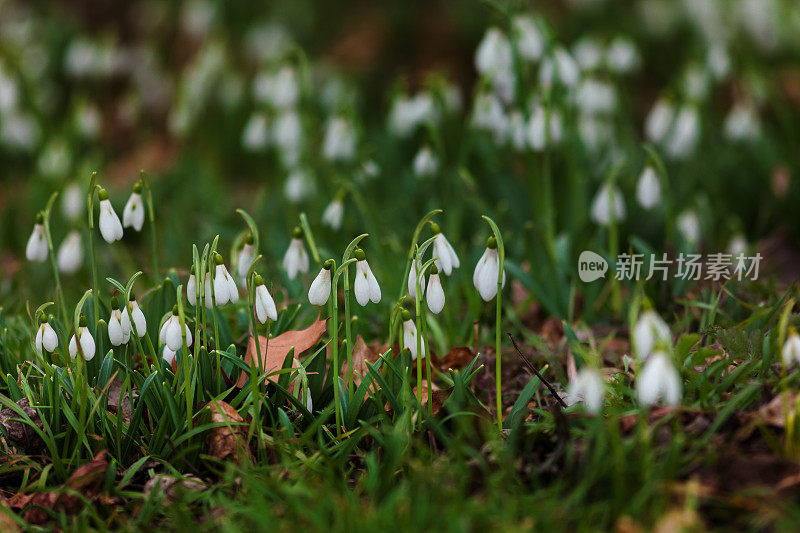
(622, 56)
(596, 97)
(255, 136)
(72, 201)
(539, 136)
(587, 387)
(659, 380)
(170, 332)
(296, 258)
(365, 285)
(70, 253)
(168, 355)
(530, 41)
(435, 293)
(425, 163)
(488, 114)
(133, 214)
(339, 143)
(333, 214)
(246, 256)
(36, 250)
(225, 289)
(649, 333)
(559, 67)
(263, 303)
(493, 53)
(588, 53)
(139, 324)
(46, 337)
(648, 188)
(484, 278)
(413, 273)
(287, 132)
(298, 186)
(689, 225)
(445, 256)
(110, 226)
(685, 133)
(608, 206)
(791, 349)
(320, 289)
(410, 338)
(742, 123)
(191, 288)
(117, 334)
(86, 341)
(658, 121)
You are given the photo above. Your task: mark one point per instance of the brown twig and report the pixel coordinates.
(536, 372)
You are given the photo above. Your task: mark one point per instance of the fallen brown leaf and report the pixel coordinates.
(362, 354)
(456, 358)
(224, 441)
(169, 486)
(772, 413)
(273, 353)
(437, 398)
(22, 433)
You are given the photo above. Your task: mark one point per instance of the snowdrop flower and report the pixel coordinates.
(206, 292)
(224, 287)
(435, 294)
(588, 53)
(87, 346)
(298, 185)
(410, 337)
(72, 201)
(737, 245)
(170, 333)
(287, 132)
(55, 159)
(689, 225)
(602, 212)
(589, 388)
(365, 286)
(320, 289)
(133, 214)
(263, 303)
(191, 288)
(488, 114)
(296, 259)
(596, 97)
(659, 120)
(110, 226)
(559, 67)
(596, 131)
(46, 338)
(538, 133)
(339, 143)
(36, 249)
(622, 56)
(648, 188)
(742, 123)
(685, 133)
(117, 334)
(285, 88)
(443, 252)
(530, 41)
(334, 213)
(408, 113)
(487, 270)
(659, 380)
(246, 256)
(168, 355)
(518, 130)
(139, 325)
(493, 53)
(412, 284)
(70, 253)
(791, 348)
(650, 332)
(256, 133)
(718, 60)
(425, 162)
(695, 83)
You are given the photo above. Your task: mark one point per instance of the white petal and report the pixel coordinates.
(162, 333)
(39, 334)
(374, 288)
(173, 334)
(487, 280)
(410, 338)
(320, 289)
(87, 344)
(73, 348)
(168, 355)
(110, 226)
(265, 302)
(133, 213)
(435, 294)
(207, 293)
(233, 291)
(221, 289)
(412, 286)
(191, 290)
(246, 257)
(361, 285)
(478, 267)
(138, 320)
(49, 338)
(115, 333)
(36, 249)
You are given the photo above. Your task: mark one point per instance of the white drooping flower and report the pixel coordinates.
(425, 162)
(46, 337)
(207, 291)
(224, 286)
(648, 188)
(718, 60)
(608, 206)
(320, 289)
(412, 283)
(133, 214)
(287, 132)
(484, 278)
(168, 355)
(689, 225)
(596, 97)
(279, 89)
(296, 258)
(139, 324)
(530, 41)
(110, 225)
(659, 380)
(365, 286)
(298, 185)
(444, 254)
(117, 333)
(70, 253)
(339, 143)
(742, 123)
(596, 132)
(587, 387)
(407, 113)
(255, 136)
(650, 333)
(435, 294)
(72, 201)
(410, 338)
(622, 56)
(696, 83)
(333, 214)
(170, 332)
(87, 346)
(263, 303)
(791, 349)
(539, 136)
(659, 120)
(488, 114)
(685, 133)
(246, 256)
(559, 67)
(738, 245)
(36, 249)
(191, 288)
(588, 53)
(518, 130)
(494, 60)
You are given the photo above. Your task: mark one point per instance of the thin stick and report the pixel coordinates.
(536, 372)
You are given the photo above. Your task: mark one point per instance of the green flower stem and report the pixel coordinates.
(184, 356)
(152, 216)
(417, 313)
(498, 322)
(310, 238)
(347, 315)
(334, 310)
(62, 309)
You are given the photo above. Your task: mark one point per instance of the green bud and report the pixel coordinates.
(82, 321)
(491, 243)
(41, 317)
(249, 239)
(218, 258)
(297, 232)
(175, 309)
(102, 194)
(360, 255)
(435, 229)
(137, 187)
(114, 303)
(258, 280)
(40, 218)
(132, 297)
(433, 269)
(328, 265)
(406, 315)
(191, 270)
